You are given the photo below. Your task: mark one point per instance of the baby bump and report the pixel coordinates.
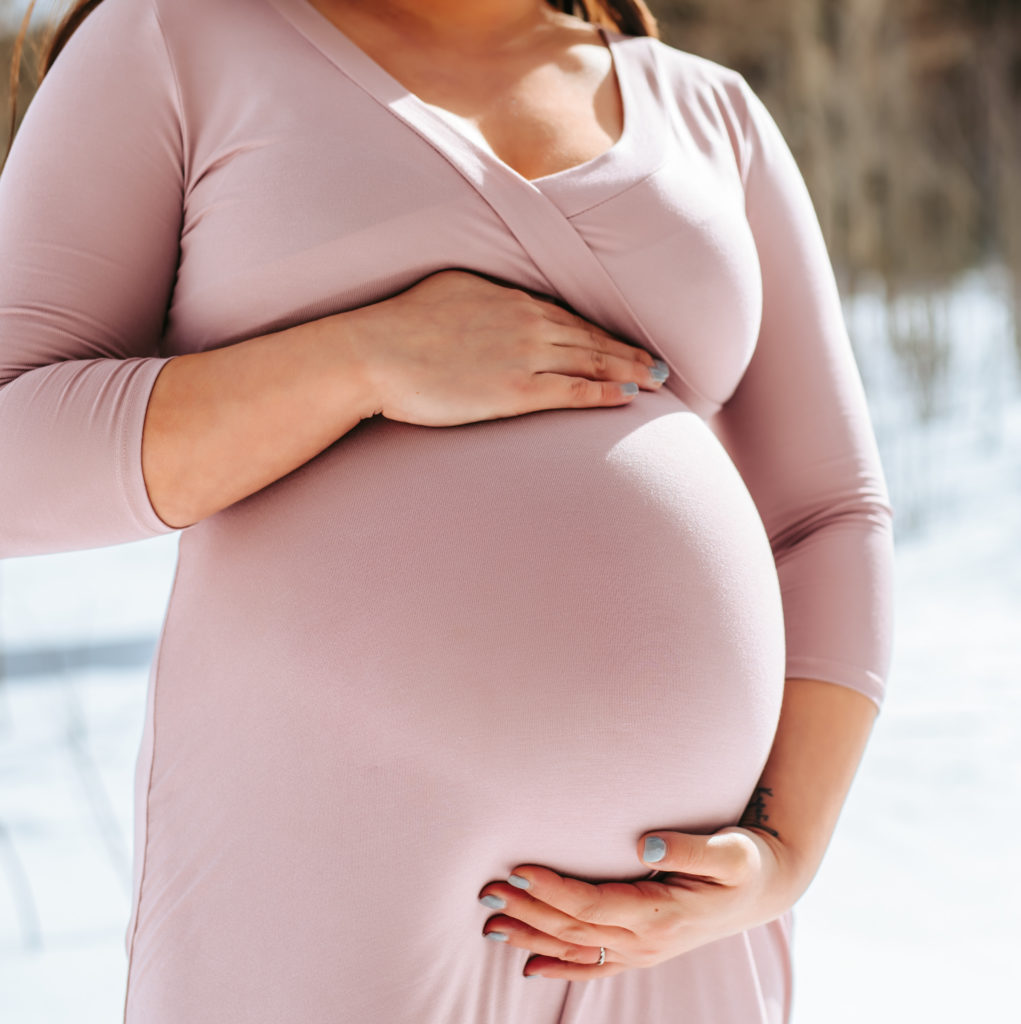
(565, 625)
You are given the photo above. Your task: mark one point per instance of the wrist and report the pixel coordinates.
(783, 873)
(796, 842)
(351, 361)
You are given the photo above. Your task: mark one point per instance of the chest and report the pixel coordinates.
(324, 188)
(541, 110)
(541, 129)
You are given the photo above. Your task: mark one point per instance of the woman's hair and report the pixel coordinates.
(631, 17)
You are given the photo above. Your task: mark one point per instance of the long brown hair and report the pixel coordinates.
(632, 17)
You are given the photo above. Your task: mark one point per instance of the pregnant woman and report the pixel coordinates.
(532, 606)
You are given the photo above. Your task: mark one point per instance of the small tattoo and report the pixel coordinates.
(755, 813)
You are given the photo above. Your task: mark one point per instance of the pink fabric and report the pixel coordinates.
(430, 655)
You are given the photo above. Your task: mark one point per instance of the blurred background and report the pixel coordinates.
(905, 117)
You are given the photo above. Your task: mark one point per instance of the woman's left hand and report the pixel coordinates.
(709, 887)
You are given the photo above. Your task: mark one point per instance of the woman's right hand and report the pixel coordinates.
(458, 347)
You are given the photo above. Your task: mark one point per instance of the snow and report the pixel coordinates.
(914, 914)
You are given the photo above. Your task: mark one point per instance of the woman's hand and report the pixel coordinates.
(458, 347)
(709, 887)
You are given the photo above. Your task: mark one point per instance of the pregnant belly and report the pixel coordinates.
(574, 613)
(429, 656)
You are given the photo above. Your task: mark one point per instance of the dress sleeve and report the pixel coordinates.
(798, 429)
(90, 216)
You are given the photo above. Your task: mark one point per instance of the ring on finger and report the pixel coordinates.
(602, 957)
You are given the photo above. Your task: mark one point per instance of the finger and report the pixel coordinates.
(515, 933)
(722, 857)
(520, 907)
(608, 905)
(586, 332)
(547, 967)
(559, 391)
(597, 364)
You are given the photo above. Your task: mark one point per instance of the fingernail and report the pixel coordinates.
(655, 849)
(517, 880)
(629, 388)
(659, 371)
(494, 901)
(497, 936)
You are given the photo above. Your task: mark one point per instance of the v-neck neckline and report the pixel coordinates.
(607, 155)
(635, 154)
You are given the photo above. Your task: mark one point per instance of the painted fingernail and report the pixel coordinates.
(516, 880)
(659, 371)
(655, 849)
(497, 936)
(629, 388)
(493, 901)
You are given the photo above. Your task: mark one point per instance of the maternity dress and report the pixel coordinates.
(429, 655)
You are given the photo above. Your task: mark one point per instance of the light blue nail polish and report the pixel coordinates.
(658, 366)
(655, 849)
(518, 881)
(658, 375)
(497, 936)
(493, 901)
(629, 388)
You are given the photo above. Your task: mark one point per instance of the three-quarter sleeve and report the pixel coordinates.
(797, 427)
(90, 216)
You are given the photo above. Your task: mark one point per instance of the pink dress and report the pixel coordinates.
(429, 655)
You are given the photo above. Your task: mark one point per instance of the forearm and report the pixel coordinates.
(818, 746)
(224, 423)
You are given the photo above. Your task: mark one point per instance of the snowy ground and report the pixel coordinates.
(914, 915)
